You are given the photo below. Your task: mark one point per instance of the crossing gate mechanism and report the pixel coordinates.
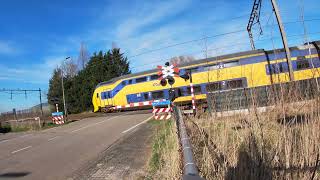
(57, 118)
(162, 110)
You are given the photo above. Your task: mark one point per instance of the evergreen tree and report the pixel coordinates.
(79, 89)
(55, 89)
(119, 62)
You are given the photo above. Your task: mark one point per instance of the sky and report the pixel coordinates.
(37, 35)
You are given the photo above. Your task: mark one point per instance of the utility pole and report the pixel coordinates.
(40, 102)
(63, 97)
(284, 38)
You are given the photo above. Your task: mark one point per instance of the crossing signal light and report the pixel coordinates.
(185, 76)
(171, 80)
(163, 82)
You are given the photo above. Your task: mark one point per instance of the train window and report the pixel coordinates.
(178, 92)
(154, 77)
(273, 68)
(230, 64)
(158, 95)
(130, 81)
(233, 84)
(281, 69)
(192, 70)
(277, 68)
(211, 67)
(196, 90)
(104, 95)
(142, 79)
(302, 63)
(146, 96)
(182, 91)
(123, 83)
(216, 86)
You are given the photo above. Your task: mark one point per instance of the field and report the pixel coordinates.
(280, 141)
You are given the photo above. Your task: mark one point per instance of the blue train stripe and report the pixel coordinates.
(242, 61)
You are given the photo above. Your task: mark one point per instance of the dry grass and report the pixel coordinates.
(281, 142)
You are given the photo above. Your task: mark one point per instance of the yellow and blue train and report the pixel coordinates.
(239, 70)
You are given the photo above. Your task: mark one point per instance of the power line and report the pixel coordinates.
(209, 37)
(199, 39)
(15, 91)
(222, 47)
(185, 42)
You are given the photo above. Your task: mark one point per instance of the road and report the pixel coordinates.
(59, 152)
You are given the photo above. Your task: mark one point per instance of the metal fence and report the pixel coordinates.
(262, 96)
(190, 169)
(19, 114)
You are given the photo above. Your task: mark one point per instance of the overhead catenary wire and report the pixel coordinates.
(197, 40)
(209, 37)
(12, 92)
(222, 47)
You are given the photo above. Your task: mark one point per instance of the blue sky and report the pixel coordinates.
(36, 35)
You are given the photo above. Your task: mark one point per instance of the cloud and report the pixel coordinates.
(34, 73)
(149, 14)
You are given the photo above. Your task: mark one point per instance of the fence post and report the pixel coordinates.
(14, 113)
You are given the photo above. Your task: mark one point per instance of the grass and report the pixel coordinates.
(282, 142)
(19, 127)
(164, 162)
(29, 126)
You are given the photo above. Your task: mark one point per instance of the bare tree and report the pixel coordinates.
(181, 59)
(69, 68)
(83, 57)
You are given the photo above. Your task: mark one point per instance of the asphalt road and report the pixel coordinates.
(59, 152)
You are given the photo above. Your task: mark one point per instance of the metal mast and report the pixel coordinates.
(284, 38)
(254, 19)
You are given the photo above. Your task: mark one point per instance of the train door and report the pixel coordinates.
(98, 100)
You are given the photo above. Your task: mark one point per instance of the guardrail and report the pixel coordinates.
(190, 170)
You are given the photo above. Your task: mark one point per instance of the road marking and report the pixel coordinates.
(24, 136)
(53, 138)
(137, 125)
(21, 149)
(4, 141)
(94, 124)
(14, 138)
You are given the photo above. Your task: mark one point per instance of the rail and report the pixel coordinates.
(190, 170)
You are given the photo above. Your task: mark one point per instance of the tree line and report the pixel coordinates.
(79, 83)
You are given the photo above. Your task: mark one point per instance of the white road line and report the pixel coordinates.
(15, 138)
(4, 141)
(137, 125)
(53, 138)
(24, 136)
(21, 149)
(93, 124)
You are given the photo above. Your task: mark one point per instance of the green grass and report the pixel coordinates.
(159, 144)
